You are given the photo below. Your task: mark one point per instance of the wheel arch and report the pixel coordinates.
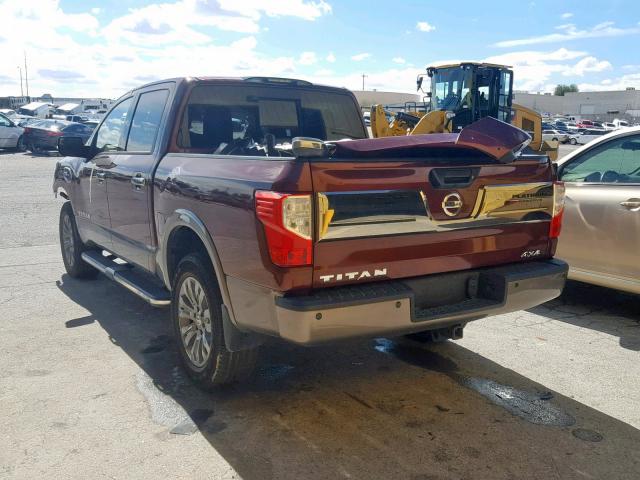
(184, 225)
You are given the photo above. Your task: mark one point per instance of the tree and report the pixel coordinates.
(562, 89)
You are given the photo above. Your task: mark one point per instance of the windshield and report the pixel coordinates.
(450, 88)
(259, 120)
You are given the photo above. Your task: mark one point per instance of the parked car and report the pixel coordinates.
(601, 226)
(585, 124)
(620, 123)
(92, 123)
(44, 135)
(277, 233)
(587, 135)
(23, 121)
(7, 112)
(555, 135)
(609, 126)
(10, 134)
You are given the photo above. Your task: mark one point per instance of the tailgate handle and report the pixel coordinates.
(452, 177)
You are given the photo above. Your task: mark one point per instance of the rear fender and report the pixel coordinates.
(235, 339)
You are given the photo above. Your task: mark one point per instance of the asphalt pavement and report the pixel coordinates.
(90, 385)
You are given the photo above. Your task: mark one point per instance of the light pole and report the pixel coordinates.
(363, 77)
(21, 91)
(26, 74)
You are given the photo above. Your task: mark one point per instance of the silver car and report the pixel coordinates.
(600, 235)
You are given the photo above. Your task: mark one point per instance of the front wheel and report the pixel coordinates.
(196, 314)
(72, 247)
(573, 141)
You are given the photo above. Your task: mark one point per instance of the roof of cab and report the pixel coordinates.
(262, 80)
(478, 64)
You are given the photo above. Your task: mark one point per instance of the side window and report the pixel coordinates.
(146, 121)
(4, 122)
(617, 161)
(112, 129)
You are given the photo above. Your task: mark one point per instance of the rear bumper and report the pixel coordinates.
(400, 307)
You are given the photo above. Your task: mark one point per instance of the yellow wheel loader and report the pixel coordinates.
(461, 94)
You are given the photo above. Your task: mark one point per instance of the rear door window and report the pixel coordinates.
(146, 121)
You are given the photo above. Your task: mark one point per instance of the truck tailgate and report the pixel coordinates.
(406, 217)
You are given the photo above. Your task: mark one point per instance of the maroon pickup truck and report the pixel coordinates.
(258, 207)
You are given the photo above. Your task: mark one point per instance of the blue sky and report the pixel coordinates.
(103, 48)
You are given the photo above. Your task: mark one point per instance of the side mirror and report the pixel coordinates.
(307, 147)
(73, 147)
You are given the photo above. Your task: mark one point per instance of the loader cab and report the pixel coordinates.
(471, 91)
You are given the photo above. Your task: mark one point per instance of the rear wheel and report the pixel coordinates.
(72, 247)
(196, 314)
(573, 141)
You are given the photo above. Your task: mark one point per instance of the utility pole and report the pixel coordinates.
(363, 77)
(26, 74)
(21, 91)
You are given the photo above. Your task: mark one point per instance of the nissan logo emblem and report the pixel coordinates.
(452, 204)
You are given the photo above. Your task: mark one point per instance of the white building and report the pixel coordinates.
(603, 106)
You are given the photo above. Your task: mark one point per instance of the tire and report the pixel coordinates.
(72, 247)
(196, 315)
(20, 146)
(573, 141)
(554, 139)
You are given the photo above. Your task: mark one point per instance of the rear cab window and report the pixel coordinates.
(254, 120)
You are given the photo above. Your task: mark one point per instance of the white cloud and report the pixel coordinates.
(619, 83)
(398, 60)
(331, 58)
(394, 79)
(425, 27)
(586, 65)
(571, 32)
(280, 8)
(96, 11)
(566, 15)
(307, 58)
(534, 69)
(361, 56)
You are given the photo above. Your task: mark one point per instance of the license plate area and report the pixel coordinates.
(443, 295)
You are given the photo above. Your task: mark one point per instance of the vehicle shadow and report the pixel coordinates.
(364, 409)
(598, 308)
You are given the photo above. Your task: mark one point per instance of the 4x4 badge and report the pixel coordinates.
(452, 204)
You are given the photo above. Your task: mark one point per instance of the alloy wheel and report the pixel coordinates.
(194, 319)
(68, 240)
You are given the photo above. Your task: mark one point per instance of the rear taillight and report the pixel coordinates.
(53, 133)
(558, 210)
(287, 226)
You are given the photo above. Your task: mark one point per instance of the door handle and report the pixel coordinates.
(632, 204)
(138, 181)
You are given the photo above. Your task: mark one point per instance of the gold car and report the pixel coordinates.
(600, 236)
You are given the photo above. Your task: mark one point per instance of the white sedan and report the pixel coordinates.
(10, 134)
